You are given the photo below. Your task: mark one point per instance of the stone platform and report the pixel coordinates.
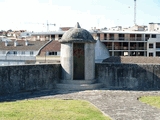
(79, 85)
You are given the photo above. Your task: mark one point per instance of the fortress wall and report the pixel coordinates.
(15, 79)
(129, 76)
(18, 79)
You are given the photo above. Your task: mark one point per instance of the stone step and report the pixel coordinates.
(78, 81)
(79, 86)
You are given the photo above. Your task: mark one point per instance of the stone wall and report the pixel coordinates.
(129, 76)
(14, 79)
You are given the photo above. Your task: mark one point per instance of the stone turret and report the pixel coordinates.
(78, 54)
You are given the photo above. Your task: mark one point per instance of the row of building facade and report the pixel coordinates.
(31, 47)
(119, 43)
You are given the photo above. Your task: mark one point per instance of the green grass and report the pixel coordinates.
(50, 109)
(151, 100)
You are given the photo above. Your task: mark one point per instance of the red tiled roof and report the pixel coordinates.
(52, 46)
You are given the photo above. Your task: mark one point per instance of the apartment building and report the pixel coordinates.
(131, 43)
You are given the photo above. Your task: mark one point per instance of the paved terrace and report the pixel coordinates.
(133, 60)
(119, 105)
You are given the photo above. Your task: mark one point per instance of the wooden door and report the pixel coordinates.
(78, 56)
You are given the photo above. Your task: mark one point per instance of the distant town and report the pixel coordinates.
(23, 47)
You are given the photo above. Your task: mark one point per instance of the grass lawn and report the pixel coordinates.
(50, 109)
(151, 100)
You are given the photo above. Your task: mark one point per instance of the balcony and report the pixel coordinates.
(139, 39)
(124, 48)
(117, 47)
(109, 47)
(136, 39)
(111, 38)
(140, 48)
(121, 38)
(132, 48)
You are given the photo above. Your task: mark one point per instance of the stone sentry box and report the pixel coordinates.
(77, 54)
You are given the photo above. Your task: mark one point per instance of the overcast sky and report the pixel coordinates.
(33, 14)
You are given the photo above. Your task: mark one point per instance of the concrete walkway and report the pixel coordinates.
(119, 105)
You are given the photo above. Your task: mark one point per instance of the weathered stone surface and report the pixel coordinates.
(129, 76)
(89, 61)
(67, 61)
(14, 79)
(77, 34)
(119, 105)
(24, 78)
(132, 60)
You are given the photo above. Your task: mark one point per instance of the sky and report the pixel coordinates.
(33, 15)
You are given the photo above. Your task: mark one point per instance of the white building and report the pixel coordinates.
(19, 52)
(154, 27)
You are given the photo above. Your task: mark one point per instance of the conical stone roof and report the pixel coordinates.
(101, 52)
(77, 35)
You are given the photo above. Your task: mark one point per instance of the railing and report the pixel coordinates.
(136, 39)
(117, 47)
(111, 38)
(124, 48)
(140, 48)
(121, 38)
(127, 39)
(109, 47)
(139, 39)
(132, 48)
(105, 38)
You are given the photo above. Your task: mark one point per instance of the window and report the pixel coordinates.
(31, 52)
(150, 54)
(132, 36)
(147, 36)
(23, 53)
(105, 36)
(157, 54)
(9, 52)
(153, 36)
(15, 52)
(98, 35)
(151, 45)
(111, 36)
(47, 38)
(141, 46)
(60, 36)
(38, 37)
(157, 45)
(52, 53)
(139, 37)
(121, 36)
